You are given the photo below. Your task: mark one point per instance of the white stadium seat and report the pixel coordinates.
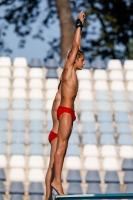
(3, 161)
(114, 64)
(36, 175)
(36, 162)
(117, 86)
(20, 62)
(91, 163)
(49, 116)
(17, 161)
(36, 73)
(101, 85)
(85, 95)
(19, 73)
(4, 93)
(126, 151)
(84, 74)
(115, 75)
(17, 174)
(48, 104)
(47, 162)
(128, 65)
(129, 76)
(85, 84)
(19, 83)
(108, 151)
(51, 83)
(90, 150)
(100, 75)
(19, 94)
(35, 83)
(130, 86)
(4, 83)
(72, 162)
(5, 72)
(50, 94)
(36, 94)
(5, 62)
(110, 164)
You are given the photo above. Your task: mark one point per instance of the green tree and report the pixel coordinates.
(130, 47)
(107, 33)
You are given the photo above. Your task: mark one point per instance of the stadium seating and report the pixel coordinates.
(111, 177)
(74, 176)
(92, 177)
(93, 188)
(20, 62)
(99, 157)
(5, 61)
(74, 188)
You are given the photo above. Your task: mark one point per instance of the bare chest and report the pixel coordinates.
(70, 80)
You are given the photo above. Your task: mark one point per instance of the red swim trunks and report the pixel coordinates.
(52, 136)
(63, 109)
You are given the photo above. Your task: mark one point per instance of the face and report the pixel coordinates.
(80, 62)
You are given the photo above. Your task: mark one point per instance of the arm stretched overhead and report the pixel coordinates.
(76, 41)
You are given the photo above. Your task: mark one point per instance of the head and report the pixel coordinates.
(79, 61)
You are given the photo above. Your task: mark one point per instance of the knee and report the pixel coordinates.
(62, 147)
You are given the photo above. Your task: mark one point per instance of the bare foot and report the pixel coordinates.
(58, 187)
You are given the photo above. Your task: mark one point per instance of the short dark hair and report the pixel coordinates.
(79, 53)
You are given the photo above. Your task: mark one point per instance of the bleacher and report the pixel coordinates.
(100, 153)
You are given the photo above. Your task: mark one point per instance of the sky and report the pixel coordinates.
(34, 48)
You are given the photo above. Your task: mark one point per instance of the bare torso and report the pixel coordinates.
(69, 87)
(55, 106)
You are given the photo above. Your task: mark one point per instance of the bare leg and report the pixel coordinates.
(50, 172)
(64, 131)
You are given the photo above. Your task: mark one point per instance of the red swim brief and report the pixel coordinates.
(52, 136)
(63, 109)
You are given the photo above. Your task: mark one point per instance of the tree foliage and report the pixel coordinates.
(108, 30)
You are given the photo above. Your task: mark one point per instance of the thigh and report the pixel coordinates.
(65, 126)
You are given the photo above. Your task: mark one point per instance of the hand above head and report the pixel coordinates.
(81, 16)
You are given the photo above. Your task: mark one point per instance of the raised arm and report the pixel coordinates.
(71, 56)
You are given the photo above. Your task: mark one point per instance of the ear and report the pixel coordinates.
(75, 61)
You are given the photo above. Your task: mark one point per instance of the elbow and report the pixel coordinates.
(76, 45)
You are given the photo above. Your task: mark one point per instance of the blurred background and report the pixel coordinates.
(34, 38)
(45, 28)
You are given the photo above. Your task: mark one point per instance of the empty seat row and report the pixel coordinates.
(20, 126)
(37, 104)
(84, 116)
(20, 104)
(23, 94)
(22, 62)
(91, 176)
(93, 163)
(19, 149)
(89, 138)
(90, 163)
(21, 115)
(82, 95)
(105, 127)
(33, 83)
(18, 62)
(107, 139)
(113, 75)
(108, 151)
(37, 188)
(87, 127)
